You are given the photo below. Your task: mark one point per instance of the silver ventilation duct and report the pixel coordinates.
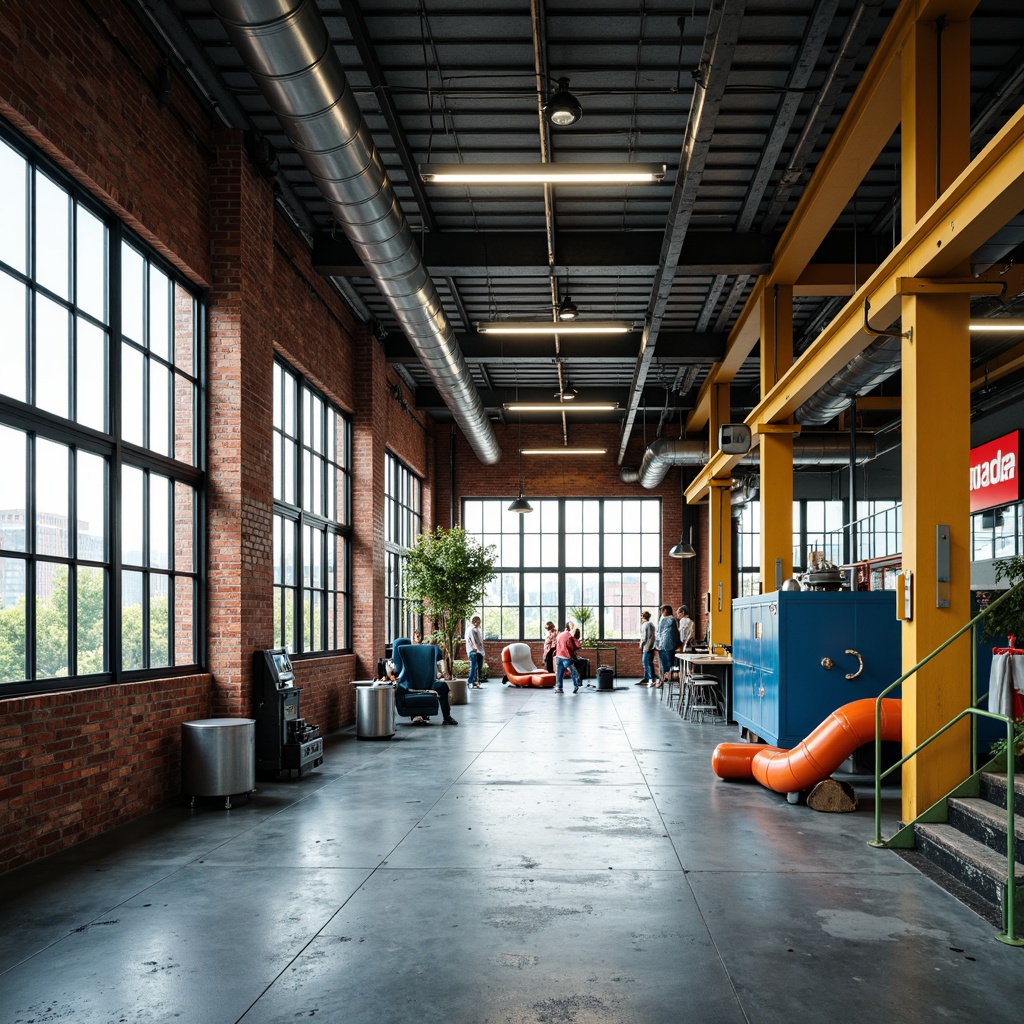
(808, 450)
(878, 362)
(287, 49)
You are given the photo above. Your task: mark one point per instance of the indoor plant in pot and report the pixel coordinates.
(446, 574)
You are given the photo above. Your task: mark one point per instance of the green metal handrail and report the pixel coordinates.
(1008, 935)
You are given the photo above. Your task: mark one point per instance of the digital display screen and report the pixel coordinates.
(281, 663)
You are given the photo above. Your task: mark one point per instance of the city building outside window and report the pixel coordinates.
(101, 497)
(599, 553)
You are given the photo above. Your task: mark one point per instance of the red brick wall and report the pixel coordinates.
(68, 83)
(559, 476)
(74, 764)
(79, 81)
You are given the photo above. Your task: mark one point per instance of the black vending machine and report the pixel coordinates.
(284, 740)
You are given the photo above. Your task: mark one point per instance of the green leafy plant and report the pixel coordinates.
(461, 668)
(581, 615)
(446, 574)
(999, 746)
(1007, 618)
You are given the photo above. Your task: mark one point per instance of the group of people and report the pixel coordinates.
(674, 632)
(561, 651)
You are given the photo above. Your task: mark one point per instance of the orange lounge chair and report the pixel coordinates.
(517, 664)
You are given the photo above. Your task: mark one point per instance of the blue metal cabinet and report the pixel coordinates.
(781, 691)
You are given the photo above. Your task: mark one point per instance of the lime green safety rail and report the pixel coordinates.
(1008, 935)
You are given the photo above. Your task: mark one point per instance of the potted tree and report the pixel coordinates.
(446, 574)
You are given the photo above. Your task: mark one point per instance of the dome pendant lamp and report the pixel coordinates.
(563, 109)
(683, 550)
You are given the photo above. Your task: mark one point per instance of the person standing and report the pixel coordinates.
(566, 649)
(475, 651)
(687, 627)
(647, 649)
(550, 639)
(667, 641)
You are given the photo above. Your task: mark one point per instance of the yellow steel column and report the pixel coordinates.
(776, 449)
(936, 422)
(720, 529)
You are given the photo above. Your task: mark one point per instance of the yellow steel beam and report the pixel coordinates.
(988, 193)
(946, 286)
(832, 278)
(1001, 366)
(867, 125)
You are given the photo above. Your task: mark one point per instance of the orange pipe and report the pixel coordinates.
(814, 758)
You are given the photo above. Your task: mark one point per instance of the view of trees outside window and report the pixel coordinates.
(312, 517)
(601, 553)
(72, 603)
(403, 523)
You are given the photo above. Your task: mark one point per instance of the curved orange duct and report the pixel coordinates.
(814, 758)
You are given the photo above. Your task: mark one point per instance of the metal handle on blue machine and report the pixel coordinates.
(860, 663)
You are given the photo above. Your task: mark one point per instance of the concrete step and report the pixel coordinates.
(993, 788)
(971, 862)
(986, 822)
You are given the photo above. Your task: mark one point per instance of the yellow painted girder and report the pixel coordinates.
(1001, 366)
(988, 193)
(866, 126)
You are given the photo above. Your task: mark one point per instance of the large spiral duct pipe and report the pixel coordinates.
(287, 49)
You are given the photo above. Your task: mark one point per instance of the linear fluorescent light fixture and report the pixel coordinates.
(542, 174)
(561, 407)
(996, 325)
(564, 451)
(554, 327)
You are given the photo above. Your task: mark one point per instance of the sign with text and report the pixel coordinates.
(994, 479)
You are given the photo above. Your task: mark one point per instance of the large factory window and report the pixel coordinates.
(312, 518)
(403, 523)
(101, 496)
(600, 553)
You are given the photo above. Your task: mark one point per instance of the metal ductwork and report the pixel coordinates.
(287, 49)
(878, 362)
(808, 450)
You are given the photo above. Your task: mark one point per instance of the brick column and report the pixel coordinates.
(240, 499)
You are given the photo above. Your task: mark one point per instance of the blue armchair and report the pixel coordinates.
(416, 668)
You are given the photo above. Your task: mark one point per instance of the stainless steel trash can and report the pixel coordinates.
(218, 757)
(375, 711)
(605, 677)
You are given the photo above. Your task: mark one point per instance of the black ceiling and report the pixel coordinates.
(463, 80)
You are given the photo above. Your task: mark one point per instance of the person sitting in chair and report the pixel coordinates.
(441, 691)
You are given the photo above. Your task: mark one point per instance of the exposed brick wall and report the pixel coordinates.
(76, 763)
(80, 81)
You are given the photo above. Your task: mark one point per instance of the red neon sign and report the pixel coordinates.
(994, 479)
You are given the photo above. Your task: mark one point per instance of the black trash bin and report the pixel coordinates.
(605, 677)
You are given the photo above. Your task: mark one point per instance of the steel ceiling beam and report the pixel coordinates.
(374, 71)
(581, 254)
(676, 347)
(723, 29)
(986, 194)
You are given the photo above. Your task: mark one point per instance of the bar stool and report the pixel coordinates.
(674, 680)
(701, 698)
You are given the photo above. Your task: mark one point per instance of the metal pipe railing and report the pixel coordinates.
(1009, 902)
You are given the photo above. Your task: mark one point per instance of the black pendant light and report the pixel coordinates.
(567, 309)
(520, 504)
(563, 109)
(683, 549)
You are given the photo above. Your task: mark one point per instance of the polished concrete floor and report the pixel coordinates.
(552, 860)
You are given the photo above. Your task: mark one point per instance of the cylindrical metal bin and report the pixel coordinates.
(605, 677)
(218, 757)
(375, 711)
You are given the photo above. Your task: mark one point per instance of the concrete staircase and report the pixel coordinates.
(967, 854)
